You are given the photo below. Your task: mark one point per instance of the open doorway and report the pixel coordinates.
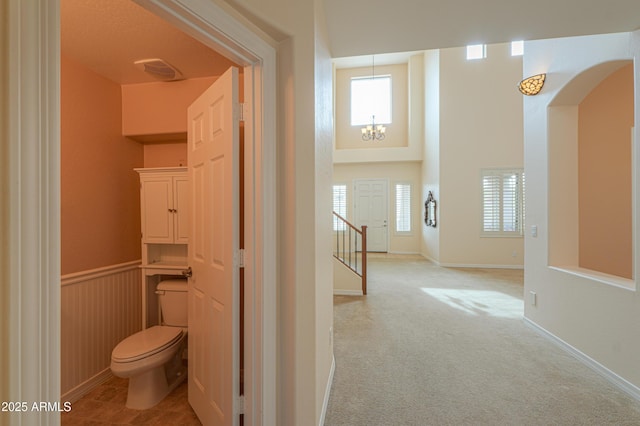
(210, 24)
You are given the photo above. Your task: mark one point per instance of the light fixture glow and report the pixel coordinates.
(373, 131)
(532, 85)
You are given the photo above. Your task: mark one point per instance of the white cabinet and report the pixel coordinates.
(164, 209)
(164, 205)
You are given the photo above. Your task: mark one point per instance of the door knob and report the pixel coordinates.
(187, 272)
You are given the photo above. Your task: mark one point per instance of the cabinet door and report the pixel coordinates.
(181, 205)
(157, 210)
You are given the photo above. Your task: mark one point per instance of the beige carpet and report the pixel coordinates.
(442, 346)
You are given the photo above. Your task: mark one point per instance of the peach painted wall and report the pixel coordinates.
(160, 108)
(99, 188)
(169, 154)
(604, 175)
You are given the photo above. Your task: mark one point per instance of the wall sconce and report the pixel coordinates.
(532, 85)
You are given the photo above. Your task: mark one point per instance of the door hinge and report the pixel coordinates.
(240, 404)
(241, 258)
(242, 110)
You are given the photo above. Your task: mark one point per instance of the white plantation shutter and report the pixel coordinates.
(491, 203)
(522, 203)
(403, 207)
(509, 203)
(339, 206)
(502, 202)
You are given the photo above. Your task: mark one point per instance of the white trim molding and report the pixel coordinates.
(479, 266)
(408, 253)
(33, 206)
(327, 392)
(618, 381)
(98, 272)
(5, 184)
(339, 292)
(84, 388)
(431, 259)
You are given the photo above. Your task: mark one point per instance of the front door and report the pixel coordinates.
(213, 152)
(371, 209)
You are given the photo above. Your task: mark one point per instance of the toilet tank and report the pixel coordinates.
(173, 302)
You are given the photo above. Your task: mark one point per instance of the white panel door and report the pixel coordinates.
(370, 207)
(213, 288)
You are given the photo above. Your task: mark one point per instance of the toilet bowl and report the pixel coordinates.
(152, 358)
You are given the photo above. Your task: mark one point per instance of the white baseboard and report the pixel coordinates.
(618, 381)
(338, 292)
(481, 266)
(430, 259)
(327, 392)
(84, 388)
(469, 265)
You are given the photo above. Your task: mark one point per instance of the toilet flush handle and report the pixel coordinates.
(187, 272)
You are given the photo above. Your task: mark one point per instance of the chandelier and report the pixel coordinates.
(373, 131)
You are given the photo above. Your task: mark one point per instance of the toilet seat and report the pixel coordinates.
(146, 343)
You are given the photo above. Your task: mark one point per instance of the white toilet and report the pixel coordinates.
(152, 358)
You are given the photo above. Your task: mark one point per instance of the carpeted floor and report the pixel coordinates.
(443, 346)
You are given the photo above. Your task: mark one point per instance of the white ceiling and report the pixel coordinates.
(107, 36)
(360, 27)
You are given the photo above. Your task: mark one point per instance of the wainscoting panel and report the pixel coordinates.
(99, 308)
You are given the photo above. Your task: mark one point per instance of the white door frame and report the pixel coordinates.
(30, 197)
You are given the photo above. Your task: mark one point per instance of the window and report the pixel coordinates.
(517, 48)
(370, 97)
(476, 51)
(339, 205)
(502, 202)
(403, 207)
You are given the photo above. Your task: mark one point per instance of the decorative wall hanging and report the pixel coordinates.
(430, 210)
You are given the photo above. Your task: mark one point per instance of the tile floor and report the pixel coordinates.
(105, 405)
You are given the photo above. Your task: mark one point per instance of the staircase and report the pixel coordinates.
(350, 247)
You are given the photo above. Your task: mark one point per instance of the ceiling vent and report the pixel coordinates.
(159, 69)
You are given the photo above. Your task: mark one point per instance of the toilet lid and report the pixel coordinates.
(145, 343)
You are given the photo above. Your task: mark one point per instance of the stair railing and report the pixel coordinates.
(350, 247)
